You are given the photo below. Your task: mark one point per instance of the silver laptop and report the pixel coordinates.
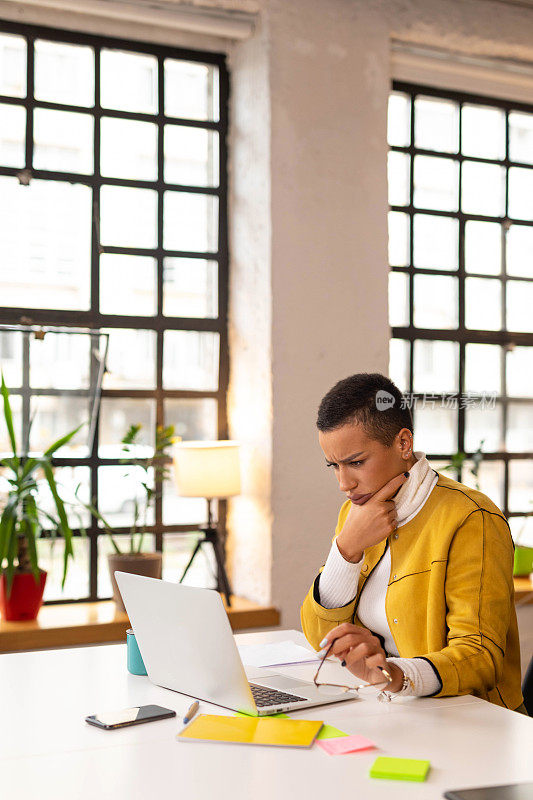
(187, 645)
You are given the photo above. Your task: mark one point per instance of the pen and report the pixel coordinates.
(191, 712)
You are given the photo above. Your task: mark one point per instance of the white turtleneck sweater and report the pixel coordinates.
(339, 579)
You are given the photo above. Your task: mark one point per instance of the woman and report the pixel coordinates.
(421, 584)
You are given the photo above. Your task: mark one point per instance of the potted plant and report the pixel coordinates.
(154, 471)
(21, 580)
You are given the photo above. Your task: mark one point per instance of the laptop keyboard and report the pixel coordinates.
(264, 696)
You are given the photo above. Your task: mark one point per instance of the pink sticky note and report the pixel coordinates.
(345, 744)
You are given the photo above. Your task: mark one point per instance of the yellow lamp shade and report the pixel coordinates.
(207, 469)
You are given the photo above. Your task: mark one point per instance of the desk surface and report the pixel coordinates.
(48, 751)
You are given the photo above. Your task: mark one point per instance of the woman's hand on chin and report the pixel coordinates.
(370, 523)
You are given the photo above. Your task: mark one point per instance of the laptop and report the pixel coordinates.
(187, 645)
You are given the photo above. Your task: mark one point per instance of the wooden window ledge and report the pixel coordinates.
(71, 624)
(523, 591)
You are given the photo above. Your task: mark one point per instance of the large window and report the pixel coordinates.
(113, 216)
(461, 282)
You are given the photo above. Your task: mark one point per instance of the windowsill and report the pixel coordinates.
(72, 624)
(523, 591)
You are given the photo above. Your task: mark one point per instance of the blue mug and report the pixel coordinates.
(135, 659)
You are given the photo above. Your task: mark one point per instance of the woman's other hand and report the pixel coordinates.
(360, 651)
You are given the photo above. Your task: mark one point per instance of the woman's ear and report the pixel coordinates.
(405, 443)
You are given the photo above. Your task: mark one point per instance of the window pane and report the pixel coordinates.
(483, 247)
(436, 428)
(520, 485)
(60, 361)
(12, 135)
(128, 149)
(483, 368)
(177, 549)
(118, 489)
(15, 402)
(63, 141)
(128, 217)
(521, 137)
(399, 363)
(51, 555)
(436, 124)
(483, 189)
(45, 244)
(520, 251)
(436, 366)
(116, 417)
(435, 302)
(193, 419)
(398, 176)
(436, 183)
(64, 73)
(398, 299)
(519, 427)
(398, 239)
(483, 304)
(522, 530)
(191, 156)
(190, 222)
(519, 370)
(190, 287)
(70, 481)
(11, 357)
(54, 417)
(483, 423)
(483, 132)
(190, 360)
(128, 285)
(519, 306)
(128, 81)
(435, 242)
(130, 359)
(179, 510)
(399, 120)
(191, 90)
(489, 478)
(12, 65)
(521, 193)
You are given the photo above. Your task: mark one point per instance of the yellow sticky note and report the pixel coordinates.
(251, 730)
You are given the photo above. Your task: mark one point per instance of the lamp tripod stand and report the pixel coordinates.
(211, 536)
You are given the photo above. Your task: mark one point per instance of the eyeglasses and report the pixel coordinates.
(363, 688)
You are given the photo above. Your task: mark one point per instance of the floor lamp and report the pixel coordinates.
(210, 470)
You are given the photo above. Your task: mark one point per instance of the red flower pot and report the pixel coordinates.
(26, 596)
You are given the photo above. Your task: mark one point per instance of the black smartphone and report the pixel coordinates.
(129, 716)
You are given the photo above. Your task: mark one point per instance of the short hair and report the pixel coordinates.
(370, 399)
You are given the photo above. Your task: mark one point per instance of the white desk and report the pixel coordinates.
(48, 752)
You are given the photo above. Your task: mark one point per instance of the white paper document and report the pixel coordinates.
(277, 654)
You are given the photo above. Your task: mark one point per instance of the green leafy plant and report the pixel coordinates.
(22, 516)
(459, 458)
(154, 471)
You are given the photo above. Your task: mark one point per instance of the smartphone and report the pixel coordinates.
(129, 716)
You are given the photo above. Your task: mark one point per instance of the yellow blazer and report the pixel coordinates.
(450, 596)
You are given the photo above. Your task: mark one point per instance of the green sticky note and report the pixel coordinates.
(399, 769)
(282, 716)
(330, 732)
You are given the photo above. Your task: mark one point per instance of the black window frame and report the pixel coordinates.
(158, 323)
(462, 335)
